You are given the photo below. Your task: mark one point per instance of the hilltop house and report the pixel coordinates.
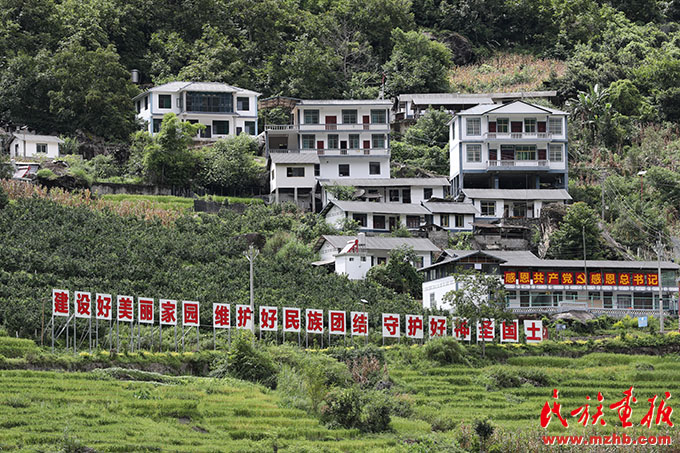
(536, 285)
(355, 255)
(509, 159)
(223, 109)
(31, 145)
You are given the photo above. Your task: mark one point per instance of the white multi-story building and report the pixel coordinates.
(518, 150)
(350, 137)
(292, 178)
(389, 190)
(223, 109)
(31, 145)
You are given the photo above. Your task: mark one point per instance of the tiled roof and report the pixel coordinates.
(384, 243)
(517, 194)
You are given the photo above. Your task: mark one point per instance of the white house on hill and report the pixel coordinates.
(31, 145)
(292, 178)
(389, 190)
(355, 255)
(223, 109)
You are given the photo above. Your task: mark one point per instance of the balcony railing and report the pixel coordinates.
(328, 127)
(517, 163)
(519, 135)
(337, 152)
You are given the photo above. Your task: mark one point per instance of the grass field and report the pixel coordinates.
(169, 202)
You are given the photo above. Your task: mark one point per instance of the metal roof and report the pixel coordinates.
(469, 98)
(516, 256)
(175, 87)
(345, 102)
(383, 243)
(594, 264)
(515, 107)
(451, 207)
(294, 158)
(38, 138)
(518, 194)
(378, 208)
(385, 182)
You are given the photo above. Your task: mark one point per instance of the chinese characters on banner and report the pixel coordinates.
(269, 318)
(336, 322)
(145, 310)
(190, 314)
(83, 304)
(168, 312)
(391, 325)
(244, 317)
(414, 327)
(314, 320)
(437, 326)
(291, 320)
(222, 316)
(579, 278)
(60, 302)
(359, 320)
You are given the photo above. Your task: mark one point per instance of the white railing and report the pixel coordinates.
(517, 163)
(280, 127)
(336, 152)
(328, 127)
(519, 135)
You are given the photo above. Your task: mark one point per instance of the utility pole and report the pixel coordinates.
(658, 258)
(585, 263)
(251, 254)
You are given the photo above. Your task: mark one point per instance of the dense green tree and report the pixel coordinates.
(229, 165)
(417, 64)
(168, 160)
(581, 221)
(398, 274)
(431, 129)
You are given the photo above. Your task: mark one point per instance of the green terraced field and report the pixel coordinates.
(38, 410)
(462, 393)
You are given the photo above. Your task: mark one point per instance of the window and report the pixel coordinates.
(427, 193)
(378, 140)
(473, 153)
(474, 126)
(488, 208)
(164, 101)
(525, 152)
(200, 101)
(146, 102)
(555, 126)
(311, 117)
(374, 168)
(460, 220)
(406, 196)
(333, 141)
(180, 102)
(378, 116)
(519, 209)
(221, 127)
(555, 153)
(394, 195)
(412, 221)
(139, 106)
(362, 219)
(349, 117)
(242, 104)
(381, 260)
(343, 170)
(432, 301)
(250, 127)
(308, 141)
(239, 130)
(419, 261)
(503, 125)
(353, 141)
(530, 125)
(444, 220)
(157, 125)
(379, 222)
(206, 132)
(317, 170)
(295, 172)
(272, 174)
(41, 147)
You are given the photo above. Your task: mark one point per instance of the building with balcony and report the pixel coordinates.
(512, 147)
(411, 106)
(355, 255)
(292, 178)
(533, 285)
(388, 190)
(223, 109)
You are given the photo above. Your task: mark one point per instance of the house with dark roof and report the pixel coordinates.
(355, 255)
(223, 109)
(509, 159)
(535, 285)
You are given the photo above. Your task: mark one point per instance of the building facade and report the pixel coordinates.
(223, 109)
(388, 190)
(509, 147)
(31, 145)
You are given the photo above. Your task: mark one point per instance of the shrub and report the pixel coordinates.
(367, 372)
(348, 354)
(353, 408)
(375, 413)
(502, 378)
(446, 351)
(245, 361)
(45, 174)
(442, 423)
(4, 200)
